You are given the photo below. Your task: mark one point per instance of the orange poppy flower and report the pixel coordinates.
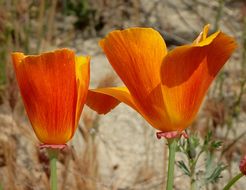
(54, 87)
(166, 88)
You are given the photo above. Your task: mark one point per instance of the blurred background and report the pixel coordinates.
(119, 151)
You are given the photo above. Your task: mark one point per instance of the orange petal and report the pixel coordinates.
(188, 71)
(48, 86)
(136, 55)
(83, 79)
(102, 100)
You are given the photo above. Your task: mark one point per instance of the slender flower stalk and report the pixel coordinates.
(233, 181)
(242, 167)
(172, 139)
(172, 145)
(53, 155)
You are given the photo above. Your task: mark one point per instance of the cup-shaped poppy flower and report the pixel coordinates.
(165, 87)
(53, 86)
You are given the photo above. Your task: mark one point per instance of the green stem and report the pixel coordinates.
(233, 180)
(193, 185)
(172, 145)
(192, 177)
(53, 154)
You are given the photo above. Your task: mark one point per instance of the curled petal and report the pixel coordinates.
(103, 100)
(188, 71)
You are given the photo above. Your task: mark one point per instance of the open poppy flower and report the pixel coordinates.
(54, 87)
(166, 88)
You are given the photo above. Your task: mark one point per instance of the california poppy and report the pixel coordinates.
(54, 87)
(165, 87)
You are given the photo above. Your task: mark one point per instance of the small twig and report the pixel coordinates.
(50, 26)
(243, 63)
(172, 39)
(40, 25)
(232, 143)
(184, 20)
(195, 11)
(219, 14)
